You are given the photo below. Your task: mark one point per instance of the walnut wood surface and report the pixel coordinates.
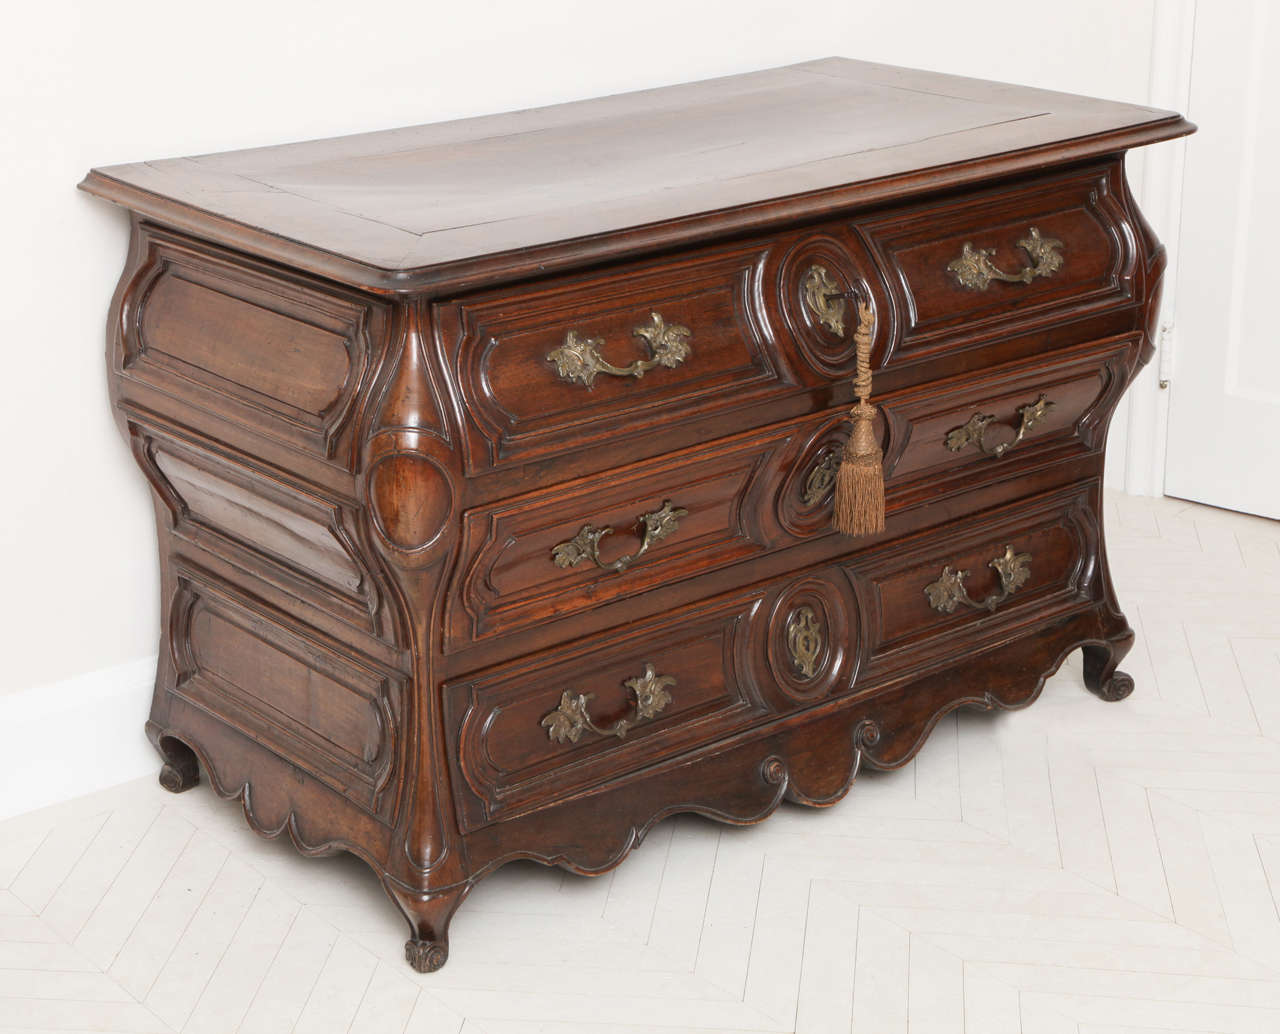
(366, 636)
(458, 203)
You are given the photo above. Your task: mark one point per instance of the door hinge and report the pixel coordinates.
(1164, 349)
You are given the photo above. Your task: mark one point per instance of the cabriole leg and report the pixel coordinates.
(1100, 663)
(180, 771)
(427, 948)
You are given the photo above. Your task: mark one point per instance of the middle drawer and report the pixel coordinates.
(570, 548)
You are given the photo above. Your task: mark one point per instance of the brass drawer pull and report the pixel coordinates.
(948, 591)
(657, 526)
(975, 270)
(579, 358)
(570, 719)
(974, 430)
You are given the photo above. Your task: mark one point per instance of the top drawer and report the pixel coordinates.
(575, 362)
(1004, 260)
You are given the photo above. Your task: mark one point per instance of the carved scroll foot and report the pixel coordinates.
(1101, 676)
(427, 948)
(181, 771)
(426, 956)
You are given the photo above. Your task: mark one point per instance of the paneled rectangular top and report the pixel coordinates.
(453, 203)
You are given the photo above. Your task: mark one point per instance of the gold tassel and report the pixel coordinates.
(859, 495)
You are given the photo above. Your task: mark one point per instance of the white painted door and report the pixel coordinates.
(1224, 413)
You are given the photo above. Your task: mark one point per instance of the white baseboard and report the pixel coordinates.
(74, 737)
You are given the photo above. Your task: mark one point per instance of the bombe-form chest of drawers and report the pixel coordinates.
(493, 460)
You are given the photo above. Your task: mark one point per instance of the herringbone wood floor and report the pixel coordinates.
(1076, 868)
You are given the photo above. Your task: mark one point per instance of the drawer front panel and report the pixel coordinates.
(534, 732)
(548, 555)
(964, 432)
(576, 363)
(1061, 244)
(974, 426)
(979, 576)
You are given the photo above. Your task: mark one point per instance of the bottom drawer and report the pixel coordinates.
(536, 731)
(572, 720)
(973, 579)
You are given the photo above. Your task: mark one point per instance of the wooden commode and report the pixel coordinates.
(493, 460)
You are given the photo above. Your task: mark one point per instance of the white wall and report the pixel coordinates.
(96, 83)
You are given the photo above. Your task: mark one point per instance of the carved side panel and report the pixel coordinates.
(286, 687)
(276, 352)
(279, 531)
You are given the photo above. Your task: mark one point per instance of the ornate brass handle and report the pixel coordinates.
(948, 591)
(974, 430)
(570, 719)
(657, 526)
(975, 270)
(579, 358)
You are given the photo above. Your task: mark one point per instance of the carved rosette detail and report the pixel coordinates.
(1116, 688)
(426, 956)
(773, 770)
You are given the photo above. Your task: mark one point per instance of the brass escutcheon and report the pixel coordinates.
(804, 640)
(821, 478)
(824, 299)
